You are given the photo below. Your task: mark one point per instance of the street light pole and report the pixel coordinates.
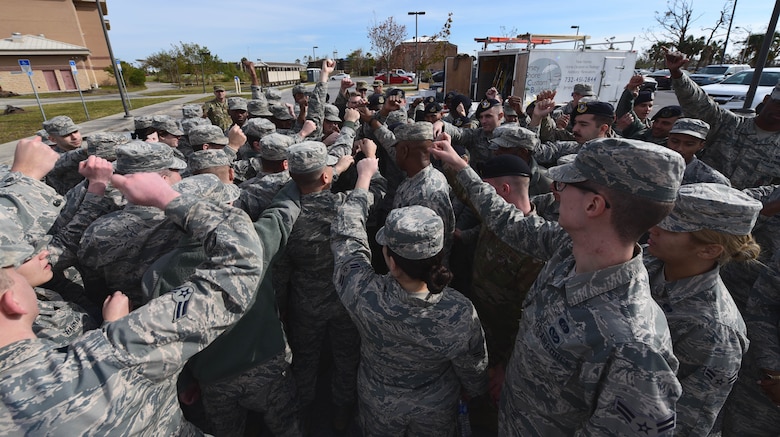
(203, 54)
(576, 34)
(122, 90)
(416, 47)
(313, 54)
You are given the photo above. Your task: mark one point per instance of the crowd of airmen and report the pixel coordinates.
(204, 273)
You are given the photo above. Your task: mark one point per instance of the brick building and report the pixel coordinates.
(431, 54)
(50, 33)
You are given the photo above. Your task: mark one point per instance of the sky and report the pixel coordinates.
(279, 31)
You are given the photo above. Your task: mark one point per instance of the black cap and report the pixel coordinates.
(396, 92)
(669, 112)
(460, 98)
(433, 108)
(595, 107)
(505, 165)
(375, 101)
(644, 96)
(486, 104)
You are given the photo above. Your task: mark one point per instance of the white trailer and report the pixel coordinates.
(526, 72)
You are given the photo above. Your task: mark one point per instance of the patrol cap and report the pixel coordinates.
(413, 232)
(203, 159)
(378, 83)
(273, 94)
(208, 186)
(44, 137)
(669, 112)
(188, 123)
(142, 122)
(632, 166)
(236, 104)
(274, 146)
(332, 113)
(776, 92)
(566, 159)
(644, 96)
(396, 118)
(139, 157)
(433, 108)
(417, 131)
(258, 107)
(691, 126)
(104, 144)
(258, 127)
(60, 125)
(396, 92)
(583, 89)
(308, 157)
(167, 124)
(219, 88)
(192, 111)
(361, 85)
(281, 112)
(375, 101)
(595, 107)
(210, 133)
(508, 110)
(486, 104)
(711, 206)
(299, 89)
(512, 136)
(505, 165)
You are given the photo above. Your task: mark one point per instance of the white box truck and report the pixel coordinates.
(526, 72)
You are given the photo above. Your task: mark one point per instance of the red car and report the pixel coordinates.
(394, 78)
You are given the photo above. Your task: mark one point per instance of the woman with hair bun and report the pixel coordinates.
(709, 226)
(421, 341)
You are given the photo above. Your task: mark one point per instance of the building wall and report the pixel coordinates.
(71, 21)
(12, 78)
(404, 55)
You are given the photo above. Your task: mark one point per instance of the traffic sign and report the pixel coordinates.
(26, 67)
(73, 67)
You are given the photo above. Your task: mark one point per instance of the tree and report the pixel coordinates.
(385, 37)
(753, 48)
(357, 62)
(188, 59)
(436, 47)
(133, 76)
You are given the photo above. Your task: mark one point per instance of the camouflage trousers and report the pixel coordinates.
(500, 321)
(392, 411)
(307, 334)
(268, 389)
(748, 411)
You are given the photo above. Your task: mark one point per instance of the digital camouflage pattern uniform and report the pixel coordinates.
(65, 174)
(697, 171)
(121, 377)
(735, 147)
(248, 368)
(305, 274)
(217, 112)
(417, 352)
(593, 353)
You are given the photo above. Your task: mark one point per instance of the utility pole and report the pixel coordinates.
(416, 49)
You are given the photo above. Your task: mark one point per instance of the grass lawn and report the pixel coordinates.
(25, 124)
(104, 90)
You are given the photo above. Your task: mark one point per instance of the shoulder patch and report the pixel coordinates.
(181, 296)
(644, 425)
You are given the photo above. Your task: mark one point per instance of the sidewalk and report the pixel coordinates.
(116, 122)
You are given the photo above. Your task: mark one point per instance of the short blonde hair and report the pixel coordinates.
(735, 247)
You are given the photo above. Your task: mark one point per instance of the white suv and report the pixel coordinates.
(716, 73)
(731, 93)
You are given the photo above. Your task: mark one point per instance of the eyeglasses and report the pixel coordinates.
(560, 186)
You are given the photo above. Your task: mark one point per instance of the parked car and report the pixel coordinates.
(663, 78)
(437, 76)
(339, 76)
(731, 93)
(394, 78)
(717, 73)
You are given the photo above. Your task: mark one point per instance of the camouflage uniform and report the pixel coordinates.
(35, 204)
(416, 352)
(117, 248)
(697, 171)
(475, 140)
(65, 174)
(257, 193)
(509, 136)
(593, 353)
(735, 147)
(217, 112)
(306, 269)
(256, 376)
(121, 376)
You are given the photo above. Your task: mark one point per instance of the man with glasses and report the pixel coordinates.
(216, 109)
(593, 353)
